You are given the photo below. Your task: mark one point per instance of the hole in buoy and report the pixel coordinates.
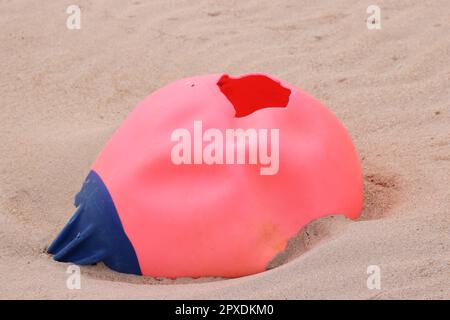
(254, 92)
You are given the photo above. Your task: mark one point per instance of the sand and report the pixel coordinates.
(64, 92)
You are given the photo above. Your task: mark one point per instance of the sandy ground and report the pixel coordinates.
(63, 93)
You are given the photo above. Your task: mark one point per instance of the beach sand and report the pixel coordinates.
(64, 92)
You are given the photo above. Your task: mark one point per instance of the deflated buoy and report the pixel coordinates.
(211, 176)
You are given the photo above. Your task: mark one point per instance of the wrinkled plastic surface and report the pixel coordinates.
(95, 233)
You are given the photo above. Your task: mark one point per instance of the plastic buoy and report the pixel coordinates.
(211, 176)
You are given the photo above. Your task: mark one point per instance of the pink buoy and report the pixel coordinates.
(211, 176)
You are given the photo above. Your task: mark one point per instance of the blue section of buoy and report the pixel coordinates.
(94, 233)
